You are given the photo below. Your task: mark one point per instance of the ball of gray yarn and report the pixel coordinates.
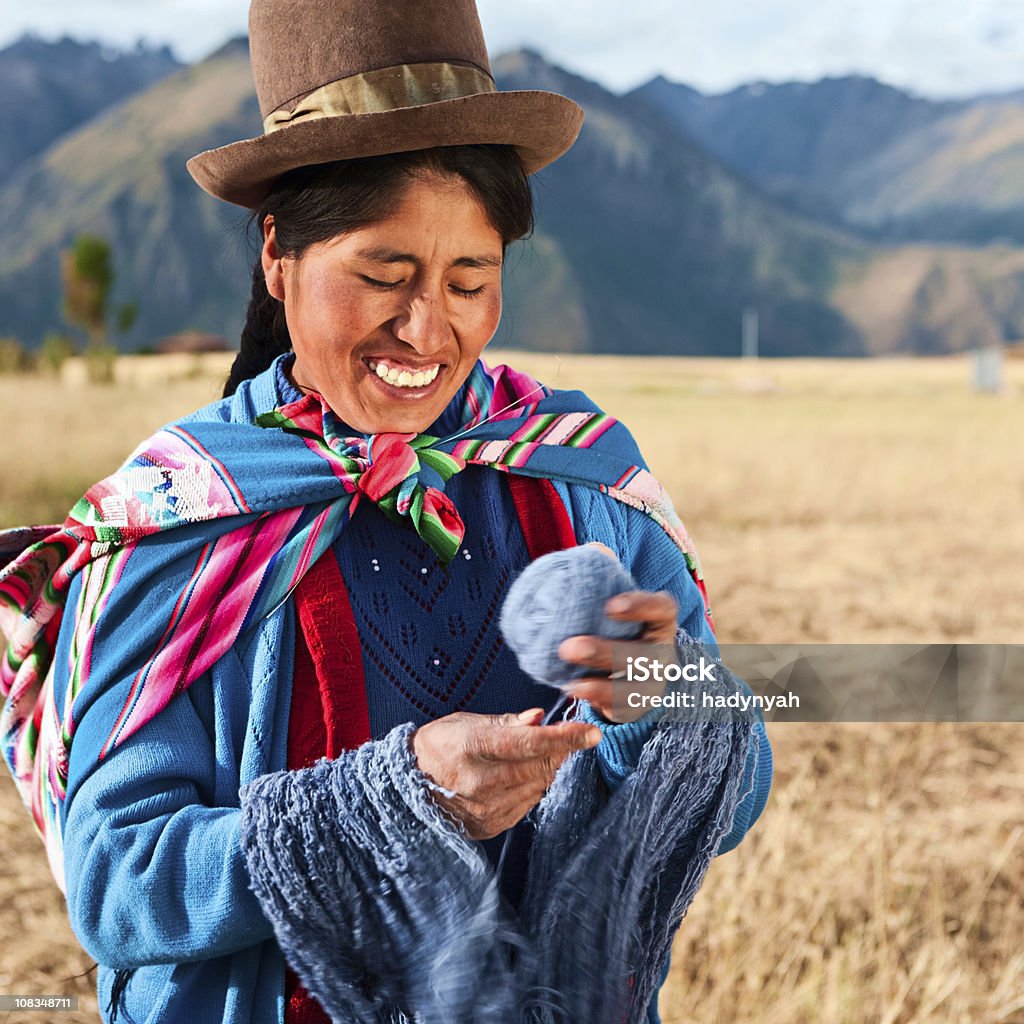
(560, 595)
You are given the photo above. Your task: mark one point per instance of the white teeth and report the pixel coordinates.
(404, 378)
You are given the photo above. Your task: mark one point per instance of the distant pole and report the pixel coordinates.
(988, 369)
(750, 329)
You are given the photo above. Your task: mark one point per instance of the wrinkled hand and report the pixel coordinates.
(497, 765)
(658, 611)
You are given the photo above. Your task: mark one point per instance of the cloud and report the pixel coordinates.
(938, 47)
(192, 27)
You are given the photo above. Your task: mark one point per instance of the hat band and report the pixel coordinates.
(403, 85)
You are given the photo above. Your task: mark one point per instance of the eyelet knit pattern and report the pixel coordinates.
(431, 641)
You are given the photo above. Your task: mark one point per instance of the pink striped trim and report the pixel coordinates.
(492, 451)
(523, 456)
(222, 471)
(602, 428)
(528, 426)
(565, 426)
(621, 482)
(334, 461)
(94, 599)
(305, 558)
(474, 404)
(137, 682)
(242, 554)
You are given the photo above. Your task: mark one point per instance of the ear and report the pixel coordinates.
(271, 259)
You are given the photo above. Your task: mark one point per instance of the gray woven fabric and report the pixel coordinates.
(390, 913)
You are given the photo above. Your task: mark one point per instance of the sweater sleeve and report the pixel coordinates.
(153, 864)
(657, 564)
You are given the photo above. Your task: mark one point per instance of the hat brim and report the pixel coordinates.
(541, 125)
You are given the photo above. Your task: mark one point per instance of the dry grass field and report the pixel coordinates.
(831, 501)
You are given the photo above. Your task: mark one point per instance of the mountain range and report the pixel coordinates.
(866, 155)
(848, 214)
(55, 87)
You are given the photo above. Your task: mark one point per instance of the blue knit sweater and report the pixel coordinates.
(156, 878)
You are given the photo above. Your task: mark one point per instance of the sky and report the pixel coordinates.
(936, 48)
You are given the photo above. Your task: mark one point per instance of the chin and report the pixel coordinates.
(388, 413)
(400, 422)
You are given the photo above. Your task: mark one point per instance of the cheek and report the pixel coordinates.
(329, 322)
(485, 320)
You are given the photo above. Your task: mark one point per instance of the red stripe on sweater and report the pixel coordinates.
(545, 522)
(329, 711)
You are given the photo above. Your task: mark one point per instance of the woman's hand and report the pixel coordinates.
(497, 765)
(658, 611)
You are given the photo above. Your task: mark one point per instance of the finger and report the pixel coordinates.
(642, 606)
(511, 718)
(484, 740)
(590, 651)
(592, 689)
(657, 608)
(542, 741)
(609, 697)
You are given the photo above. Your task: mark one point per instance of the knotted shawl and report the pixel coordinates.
(390, 914)
(248, 509)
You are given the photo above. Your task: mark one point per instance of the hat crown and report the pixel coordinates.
(297, 46)
(347, 79)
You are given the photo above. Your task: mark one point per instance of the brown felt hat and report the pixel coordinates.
(338, 79)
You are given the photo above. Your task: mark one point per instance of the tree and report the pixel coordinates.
(127, 314)
(88, 275)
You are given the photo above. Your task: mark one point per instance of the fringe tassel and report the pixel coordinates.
(389, 912)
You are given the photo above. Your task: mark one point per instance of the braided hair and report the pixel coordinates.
(317, 203)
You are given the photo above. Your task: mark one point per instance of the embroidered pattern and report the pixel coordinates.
(239, 539)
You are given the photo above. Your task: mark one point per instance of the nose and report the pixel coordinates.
(424, 324)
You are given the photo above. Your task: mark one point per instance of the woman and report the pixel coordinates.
(314, 565)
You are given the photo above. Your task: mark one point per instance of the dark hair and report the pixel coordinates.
(317, 203)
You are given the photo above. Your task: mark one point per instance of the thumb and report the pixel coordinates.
(529, 717)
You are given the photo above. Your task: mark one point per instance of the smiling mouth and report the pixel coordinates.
(400, 375)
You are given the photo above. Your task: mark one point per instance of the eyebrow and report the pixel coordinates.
(384, 255)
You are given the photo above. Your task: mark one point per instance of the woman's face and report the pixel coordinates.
(387, 321)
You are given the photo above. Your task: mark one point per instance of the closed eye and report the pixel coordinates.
(467, 293)
(386, 285)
